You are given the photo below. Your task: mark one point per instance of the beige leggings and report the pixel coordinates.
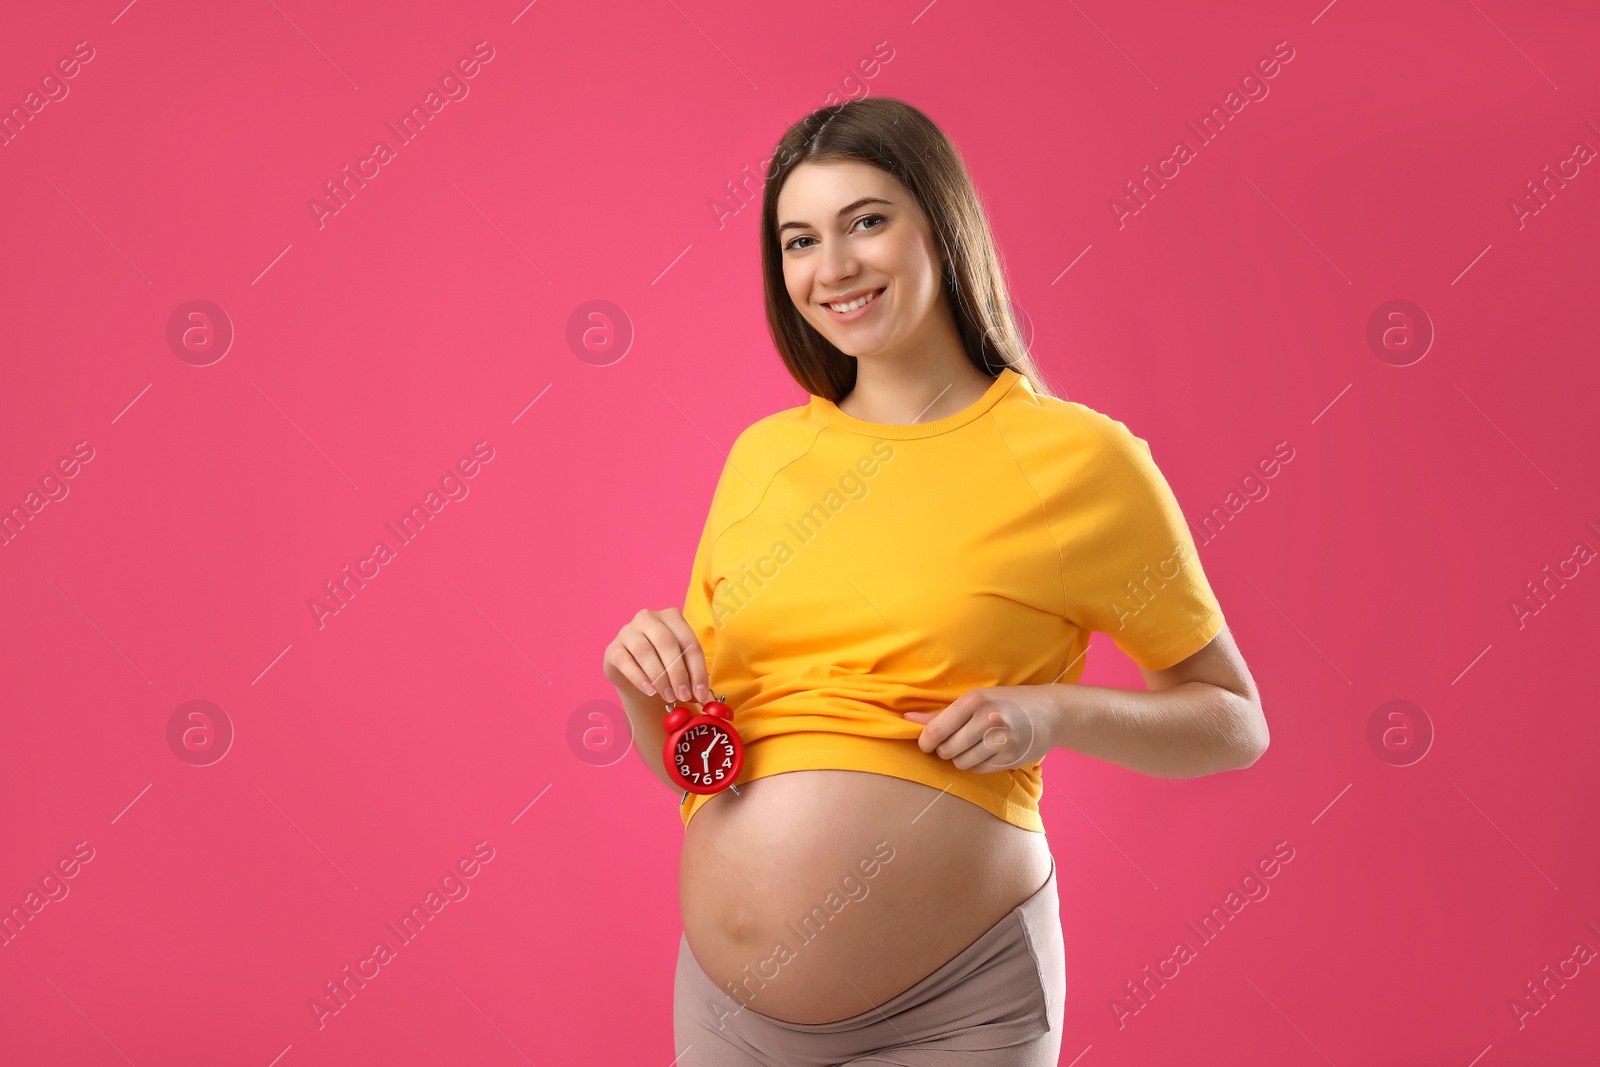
(998, 1003)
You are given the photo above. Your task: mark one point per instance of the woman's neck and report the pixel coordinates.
(899, 390)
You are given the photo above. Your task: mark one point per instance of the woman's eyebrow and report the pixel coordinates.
(842, 212)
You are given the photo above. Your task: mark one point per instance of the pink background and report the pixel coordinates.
(433, 311)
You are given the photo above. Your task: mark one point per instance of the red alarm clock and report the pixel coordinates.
(703, 752)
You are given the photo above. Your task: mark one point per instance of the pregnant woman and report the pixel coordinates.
(894, 591)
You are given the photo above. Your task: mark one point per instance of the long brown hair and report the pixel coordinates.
(897, 138)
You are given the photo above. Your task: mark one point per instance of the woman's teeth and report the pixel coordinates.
(856, 303)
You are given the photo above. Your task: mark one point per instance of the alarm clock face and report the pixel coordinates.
(704, 755)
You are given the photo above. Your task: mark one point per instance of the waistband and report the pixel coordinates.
(1042, 907)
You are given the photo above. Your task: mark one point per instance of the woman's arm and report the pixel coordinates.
(655, 651)
(1199, 716)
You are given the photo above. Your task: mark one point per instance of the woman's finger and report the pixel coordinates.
(945, 724)
(694, 657)
(989, 739)
(619, 659)
(674, 683)
(962, 728)
(1019, 736)
(644, 653)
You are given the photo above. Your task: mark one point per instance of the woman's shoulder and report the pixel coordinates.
(759, 452)
(777, 435)
(1059, 426)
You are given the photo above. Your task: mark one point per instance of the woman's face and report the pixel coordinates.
(846, 230)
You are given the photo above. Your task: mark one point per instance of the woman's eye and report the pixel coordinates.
(881, 219)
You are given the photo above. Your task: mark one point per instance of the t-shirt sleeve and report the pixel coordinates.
(697, 601)
(1131, 569)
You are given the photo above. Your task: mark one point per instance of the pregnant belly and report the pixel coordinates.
(816, 895)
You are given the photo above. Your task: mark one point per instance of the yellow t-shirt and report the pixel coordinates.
(851, 571)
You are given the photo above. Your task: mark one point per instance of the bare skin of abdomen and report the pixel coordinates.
(781, 865)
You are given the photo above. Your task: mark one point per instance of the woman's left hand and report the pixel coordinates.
(996, 728)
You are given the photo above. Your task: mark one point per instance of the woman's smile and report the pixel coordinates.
(857, 309)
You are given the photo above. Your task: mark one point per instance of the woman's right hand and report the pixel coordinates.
(658, 651)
